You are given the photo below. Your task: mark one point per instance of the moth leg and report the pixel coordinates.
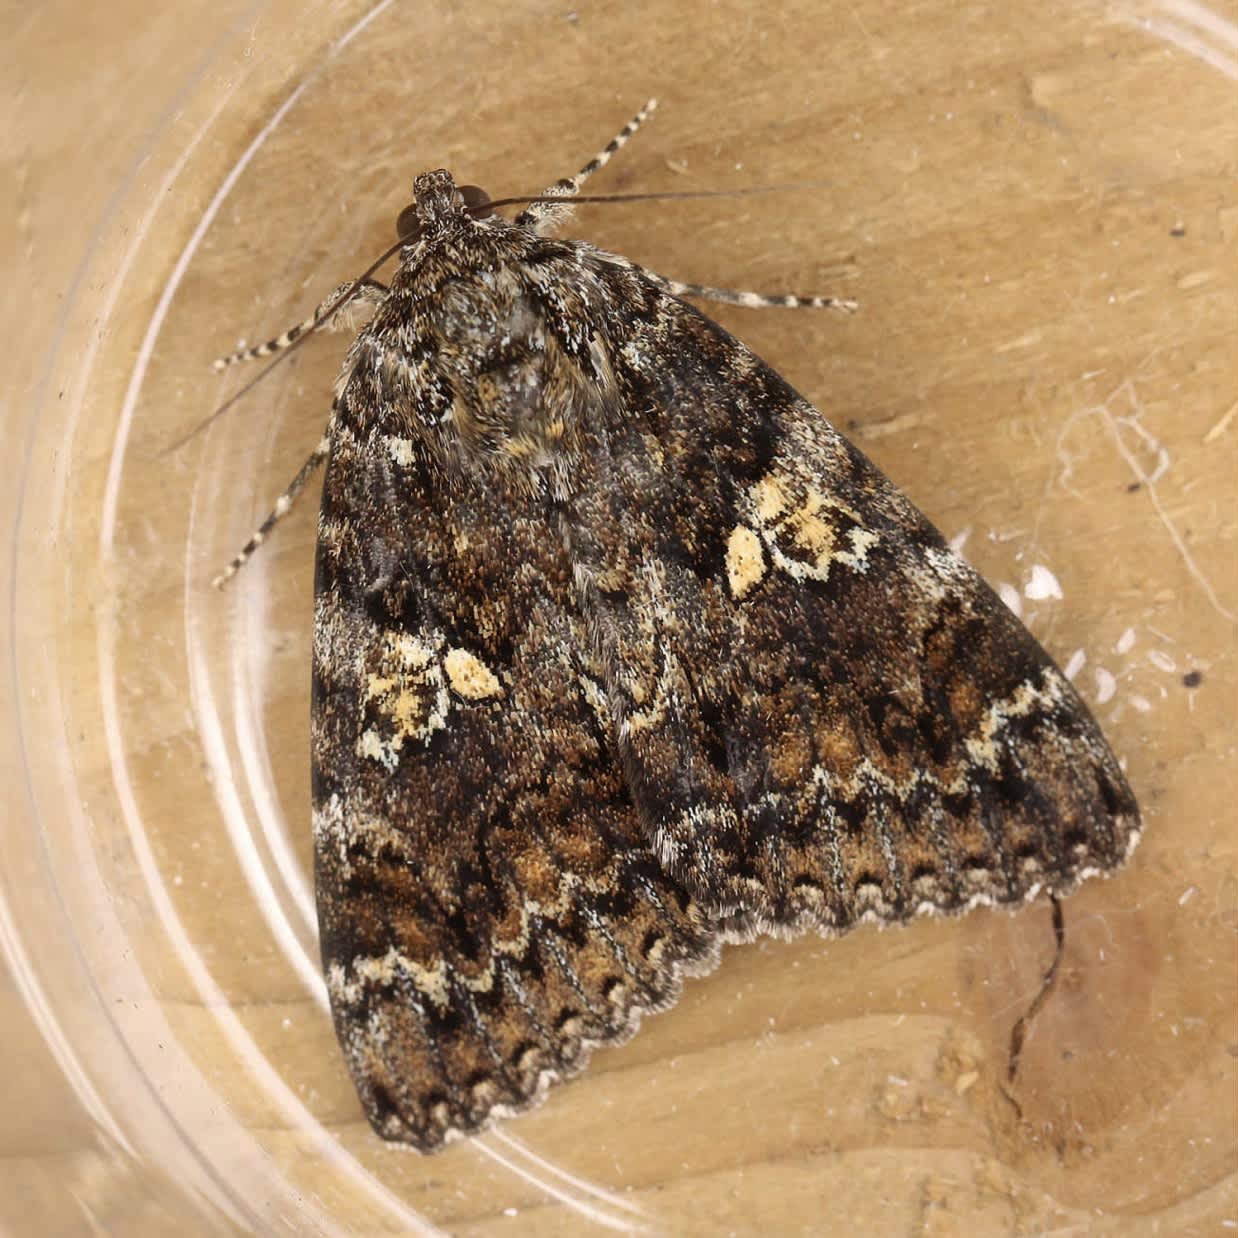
(545, 215)
(282, 506)
(369, 295)
(750, 300)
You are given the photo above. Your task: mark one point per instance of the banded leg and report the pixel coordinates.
(367, 298)
(749, 300)
(752, 300)
(543, 215)
(283, 505)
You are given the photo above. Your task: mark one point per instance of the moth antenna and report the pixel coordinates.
(706, 292)
(659, 195)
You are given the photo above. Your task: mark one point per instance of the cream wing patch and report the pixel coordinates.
(469, 677)
(805, 530)
(745, 560)
(407, 692)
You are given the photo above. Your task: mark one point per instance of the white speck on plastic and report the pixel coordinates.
(1162, 661)
(1042, 584)
(1106, 686)
(1126, 642)
(1186, 895)
(1010, 595)
(1074, 664)
(1141, 703)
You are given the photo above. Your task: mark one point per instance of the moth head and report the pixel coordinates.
(437, 198)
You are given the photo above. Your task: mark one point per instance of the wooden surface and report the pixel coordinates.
(1035, 205)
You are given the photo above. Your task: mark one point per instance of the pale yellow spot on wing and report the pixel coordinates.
(378, 686)
(809, 530)
(407, 689)
(815, 535)
(769, 498)
(469, 677)
(745, 562)
(407, 711)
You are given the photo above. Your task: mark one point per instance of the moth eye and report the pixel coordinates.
(407, 225)
(476, 200)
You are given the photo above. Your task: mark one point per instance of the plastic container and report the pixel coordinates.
(1036, 209)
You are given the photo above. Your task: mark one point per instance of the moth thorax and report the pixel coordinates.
(514, 389)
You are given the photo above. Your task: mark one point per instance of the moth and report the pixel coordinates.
(620, 653)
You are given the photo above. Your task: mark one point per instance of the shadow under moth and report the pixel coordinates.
(620, 653)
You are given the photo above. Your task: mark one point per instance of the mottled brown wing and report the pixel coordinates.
(489, 906)
(825, 714)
